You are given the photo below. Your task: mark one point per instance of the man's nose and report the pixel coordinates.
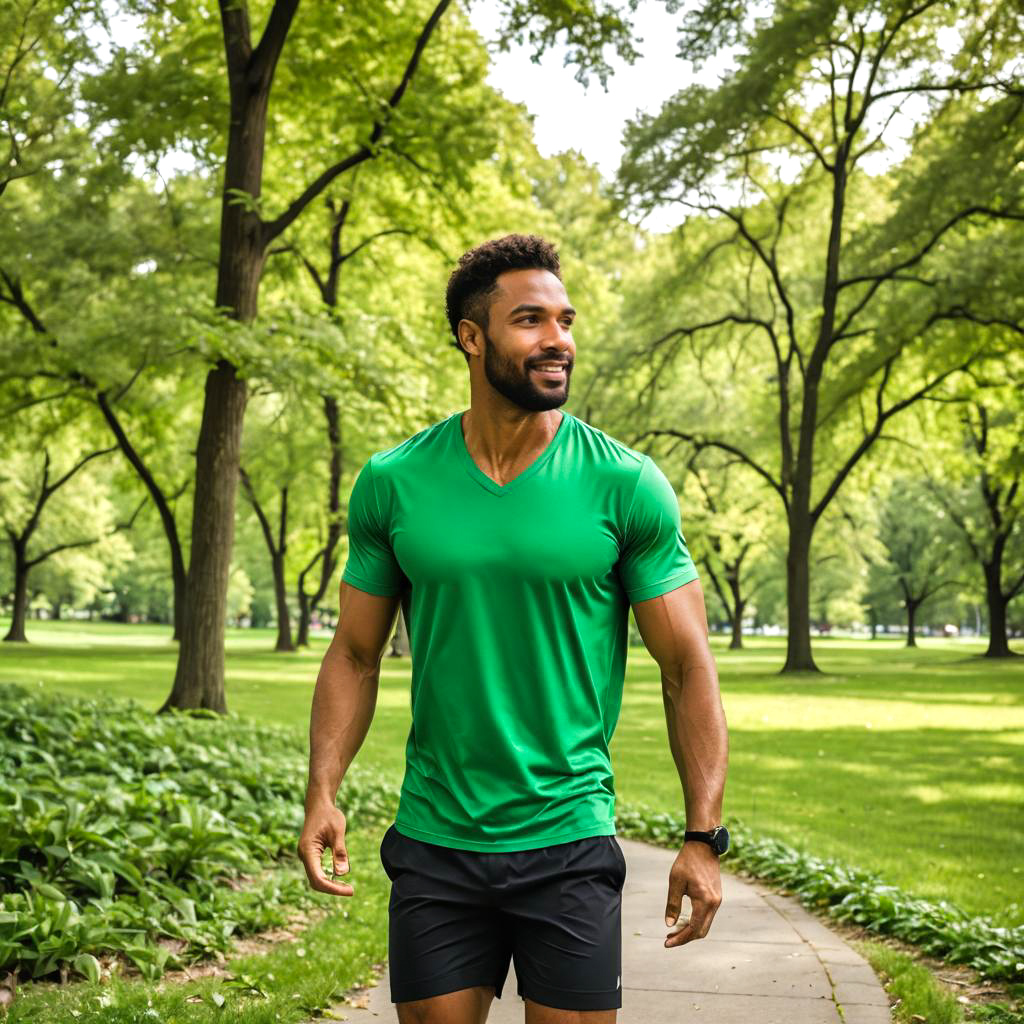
(558, 335)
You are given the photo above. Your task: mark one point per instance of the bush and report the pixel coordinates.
(119, 829)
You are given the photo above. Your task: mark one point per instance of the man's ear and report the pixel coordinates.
(471, 337)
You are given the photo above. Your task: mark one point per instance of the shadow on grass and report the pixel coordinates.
(933, 810)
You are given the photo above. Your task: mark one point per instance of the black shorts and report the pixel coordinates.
(457, 917)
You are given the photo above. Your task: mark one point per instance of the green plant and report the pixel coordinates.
(119, 829)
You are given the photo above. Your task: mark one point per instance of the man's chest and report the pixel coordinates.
(540, 533)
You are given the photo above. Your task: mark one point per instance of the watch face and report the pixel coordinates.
(720, 840)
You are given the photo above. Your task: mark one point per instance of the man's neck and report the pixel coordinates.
(503, 442)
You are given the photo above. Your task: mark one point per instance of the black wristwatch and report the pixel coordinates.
(717, 838)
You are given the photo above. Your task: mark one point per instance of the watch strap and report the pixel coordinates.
(711, 838)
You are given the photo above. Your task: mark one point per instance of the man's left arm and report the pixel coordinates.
(674, 629)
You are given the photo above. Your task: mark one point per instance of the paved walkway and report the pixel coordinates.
(765, 959)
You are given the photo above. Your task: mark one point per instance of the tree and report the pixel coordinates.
(921, 555)
(245, 237)
(726, 531)
(840, 286)
(42, 512)
(980, 485)
(82, 242)
(42, 44)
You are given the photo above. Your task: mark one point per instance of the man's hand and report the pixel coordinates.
(696, 874)
(324, 830)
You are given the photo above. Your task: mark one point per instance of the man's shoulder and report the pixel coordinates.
(421, 445)
(608, 452)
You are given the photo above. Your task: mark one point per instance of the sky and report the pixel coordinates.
(591, 120)
(569, 116)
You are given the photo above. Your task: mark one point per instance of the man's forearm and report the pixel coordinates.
(343, 703)
(698, 736)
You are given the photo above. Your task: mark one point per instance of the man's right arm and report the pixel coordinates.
(343, 704)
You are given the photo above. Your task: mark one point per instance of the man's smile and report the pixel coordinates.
(550, 371)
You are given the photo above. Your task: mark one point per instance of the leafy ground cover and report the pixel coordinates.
(922, 989)
(151, 837)
(287, 981)
(908, 764)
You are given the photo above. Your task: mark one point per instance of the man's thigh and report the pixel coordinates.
(567, 930)
(444, 938)
(466, 1006)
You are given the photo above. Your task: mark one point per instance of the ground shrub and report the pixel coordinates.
(121, 830)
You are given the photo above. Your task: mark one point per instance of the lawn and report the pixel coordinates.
(909, 763)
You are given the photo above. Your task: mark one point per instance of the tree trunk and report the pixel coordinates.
(798, 596)
(801, 520)
(328, 561)
(305, 613)
(199, 679)
(998, 642)
(284, 622)
(912, 606)
(732, 576)
(16, 633)
(736, 644)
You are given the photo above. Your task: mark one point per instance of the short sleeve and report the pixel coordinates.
(371, 564)
(654, 558)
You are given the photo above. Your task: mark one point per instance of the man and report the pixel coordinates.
(515, 536)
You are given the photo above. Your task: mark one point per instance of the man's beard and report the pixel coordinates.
(517, 386)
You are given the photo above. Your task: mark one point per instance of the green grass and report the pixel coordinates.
(907, 763)
(920, 996)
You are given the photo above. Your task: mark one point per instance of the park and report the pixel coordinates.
(793, 237)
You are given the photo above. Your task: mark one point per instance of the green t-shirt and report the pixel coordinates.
(517, 601)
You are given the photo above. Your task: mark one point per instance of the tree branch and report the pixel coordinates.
(271, 229)
(31, 563)
(268, 533)
(74, 469)
(265, 56)
(371, 238)
(768, 261)
(234, 20)
(706, 561)
(707, 442)
(797, 130)
(881, 416)
(16, 298)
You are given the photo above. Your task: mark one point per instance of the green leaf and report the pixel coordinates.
(88, 965)
(51, 892)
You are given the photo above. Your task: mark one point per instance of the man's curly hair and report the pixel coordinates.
(475, 279)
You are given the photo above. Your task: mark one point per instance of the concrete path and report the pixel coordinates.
(765, 960)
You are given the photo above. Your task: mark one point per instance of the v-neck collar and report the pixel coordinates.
(483, 479)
